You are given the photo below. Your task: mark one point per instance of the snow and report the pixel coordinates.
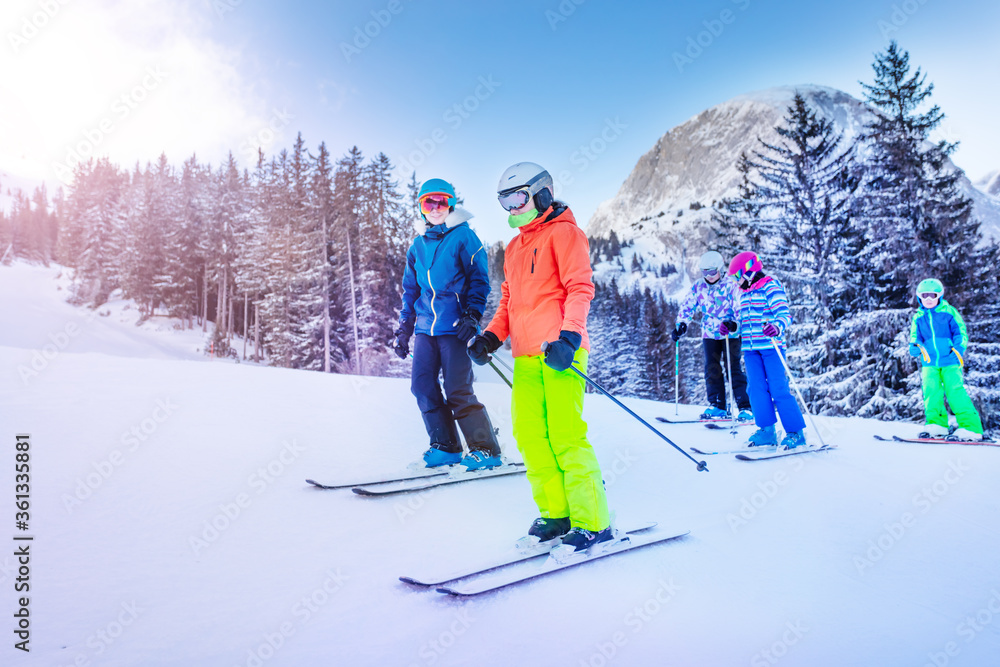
(172, 526)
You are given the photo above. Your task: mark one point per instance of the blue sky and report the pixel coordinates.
(458, 90)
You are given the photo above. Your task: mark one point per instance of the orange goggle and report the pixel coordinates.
(433, 202)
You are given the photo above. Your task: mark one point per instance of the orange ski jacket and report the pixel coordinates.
(547, 285)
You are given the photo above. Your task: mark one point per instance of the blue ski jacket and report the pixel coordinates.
(941, 332)
(446, 274)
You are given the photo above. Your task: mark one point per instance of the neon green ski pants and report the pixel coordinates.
(547, 410)
(941, 382)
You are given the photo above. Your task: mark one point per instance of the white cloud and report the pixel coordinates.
(127, 79)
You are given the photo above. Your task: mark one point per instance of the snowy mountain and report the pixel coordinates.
(990, 184)
(172, 526)
(665, 202)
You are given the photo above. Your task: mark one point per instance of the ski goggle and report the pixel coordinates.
(429, 204)
(514, 200)
(929, 295)
(709, 272)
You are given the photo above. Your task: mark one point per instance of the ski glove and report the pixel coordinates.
(727, 327)
(401, 343)
(482, 347)
(468, 325)
(915, 350)
(681, 329)
(559, 353)
(771, 330)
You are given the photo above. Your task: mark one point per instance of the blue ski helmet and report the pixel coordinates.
(437, 186)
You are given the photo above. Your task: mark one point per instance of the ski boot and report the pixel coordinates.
(934, 431)
(967, 435)
(478, 459)
(714, 413)
(543, 535)
(549, 529)
(581, 538)
(441, 454)
(793, 440)
(764, 437)
(745, 416)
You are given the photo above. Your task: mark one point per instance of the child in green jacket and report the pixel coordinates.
(938, 337)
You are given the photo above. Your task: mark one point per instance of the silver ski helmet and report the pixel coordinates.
(711, 264)
(524, 181)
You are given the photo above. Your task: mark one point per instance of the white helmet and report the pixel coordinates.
(530, 177)
(711, 261)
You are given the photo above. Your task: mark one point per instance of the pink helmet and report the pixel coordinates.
(745, 263)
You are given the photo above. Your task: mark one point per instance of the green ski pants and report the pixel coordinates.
(941, 382)
(547, 411)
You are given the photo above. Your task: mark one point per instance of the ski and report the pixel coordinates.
(738, 450)
(551, 564)
(940, 441)
(725, 420)
(719, 426)
(514, 555)
(784, 452)
(430, 472)
(452, 478)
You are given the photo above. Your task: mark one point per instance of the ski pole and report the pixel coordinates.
(677, 373)
(729, 383)
(702, 466)
(791, 381)
(502, 362)
(500, 373)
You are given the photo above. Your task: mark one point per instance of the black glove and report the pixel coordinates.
(559, 353)
(401, 343)
(482, 347)
(468, 325)
(730, 325)
(681, 329)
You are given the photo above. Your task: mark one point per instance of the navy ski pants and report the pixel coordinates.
(435, 355)
(715, 379)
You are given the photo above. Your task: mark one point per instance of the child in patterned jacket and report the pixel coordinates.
(763, 317)
(714, 296)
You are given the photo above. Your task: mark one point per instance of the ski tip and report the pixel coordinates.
(411, 581)
(447, 591)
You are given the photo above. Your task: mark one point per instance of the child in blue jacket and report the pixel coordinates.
(938, 337)
(445, 286)
(763, 317)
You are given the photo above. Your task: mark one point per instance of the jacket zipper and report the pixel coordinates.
(433, 296)
(534, 253)
(930, 323)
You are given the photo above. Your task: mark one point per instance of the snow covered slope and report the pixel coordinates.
(665, 202)
(172, 526)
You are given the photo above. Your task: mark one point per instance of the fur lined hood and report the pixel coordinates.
(454, 219)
